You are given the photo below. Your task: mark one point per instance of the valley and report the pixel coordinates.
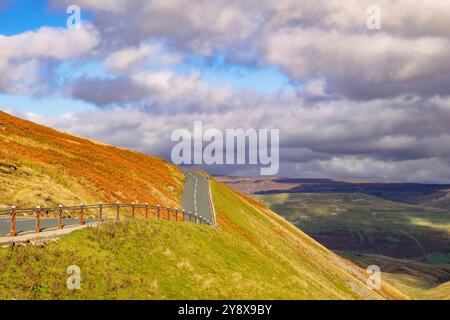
(410, 242)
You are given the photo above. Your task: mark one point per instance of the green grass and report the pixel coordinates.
(254, 254)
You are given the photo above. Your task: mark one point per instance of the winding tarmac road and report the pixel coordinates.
(196, 195)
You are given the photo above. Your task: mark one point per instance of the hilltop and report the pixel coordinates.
(253, 254)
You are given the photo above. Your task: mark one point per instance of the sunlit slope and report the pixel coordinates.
(253, 254)
(303, 268)
(441, 292)
(42, 166)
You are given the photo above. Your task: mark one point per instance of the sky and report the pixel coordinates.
(350, 102)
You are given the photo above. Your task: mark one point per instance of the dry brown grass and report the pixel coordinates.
(55, 167)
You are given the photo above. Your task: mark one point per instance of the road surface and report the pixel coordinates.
(196, 195)
(28, 225)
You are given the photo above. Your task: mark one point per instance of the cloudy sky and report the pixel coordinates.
(349, 102)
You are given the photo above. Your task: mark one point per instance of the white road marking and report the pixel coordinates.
(195, 191)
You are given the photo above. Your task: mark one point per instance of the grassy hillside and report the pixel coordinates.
(42, 166)
(254, 254)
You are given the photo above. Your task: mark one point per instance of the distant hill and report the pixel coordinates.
(253, 254)
(434, 195)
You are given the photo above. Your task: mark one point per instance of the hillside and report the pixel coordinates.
(42, 166)
(253, 254)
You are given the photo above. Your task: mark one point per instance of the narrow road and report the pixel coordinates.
(195, 199)
(28, 225)
(196, 195)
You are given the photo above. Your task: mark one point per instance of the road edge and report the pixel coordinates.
(211, 202)
(210, 197)
(43, 236)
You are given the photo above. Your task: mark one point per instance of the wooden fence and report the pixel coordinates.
(146, 211)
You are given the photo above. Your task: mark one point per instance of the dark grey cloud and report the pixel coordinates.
(107, 92)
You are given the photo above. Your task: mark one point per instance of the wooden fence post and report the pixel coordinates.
(13, 221)
(82, 214)
(176, 214)
(158, 211)
(117, 210)
(146, 210)
(100, 212)
(196, 217)
(168, 214)
(133, 211)
(38, 219)
(184, 215)
(60, 220)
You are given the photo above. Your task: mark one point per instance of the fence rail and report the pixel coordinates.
(159, 212)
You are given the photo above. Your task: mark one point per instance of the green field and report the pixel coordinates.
(411, 243)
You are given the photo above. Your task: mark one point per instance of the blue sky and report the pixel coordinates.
(24, 15)
(19, 16)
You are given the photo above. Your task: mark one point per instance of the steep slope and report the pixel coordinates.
(308, 269)
(42, 166)
(253, 254)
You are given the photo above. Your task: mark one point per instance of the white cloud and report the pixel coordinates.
(361, 64)
(145, 56)
(315, 88)
(23, 55)
(125, 58)
(54, 43)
